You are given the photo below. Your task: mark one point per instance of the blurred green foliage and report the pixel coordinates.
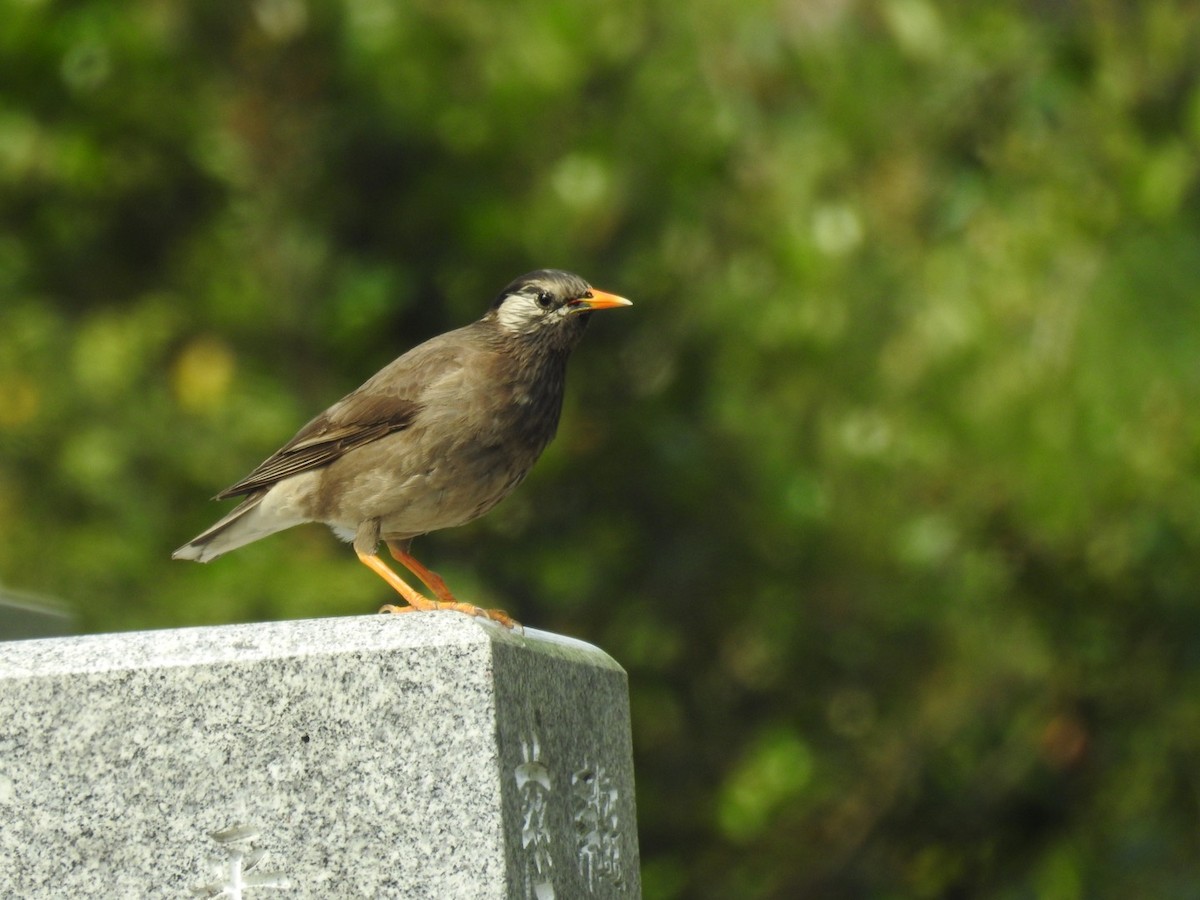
(885, 492)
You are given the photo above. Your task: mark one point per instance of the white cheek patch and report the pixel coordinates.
(516, 314)
(519, 314)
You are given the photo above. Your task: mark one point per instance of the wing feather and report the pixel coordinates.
(317, 445)
(388, 402)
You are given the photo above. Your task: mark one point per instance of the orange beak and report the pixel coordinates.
(595, 299)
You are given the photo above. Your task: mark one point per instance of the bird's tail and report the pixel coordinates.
(246, 523)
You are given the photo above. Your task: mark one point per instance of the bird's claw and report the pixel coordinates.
(496, 615)
(499, 615)
(392, 608)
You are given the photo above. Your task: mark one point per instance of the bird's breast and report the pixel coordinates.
(455, 462)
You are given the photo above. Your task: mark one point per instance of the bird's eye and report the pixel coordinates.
(545, 299)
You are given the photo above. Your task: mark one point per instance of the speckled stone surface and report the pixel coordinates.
(428, 755)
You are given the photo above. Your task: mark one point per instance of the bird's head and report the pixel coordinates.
(550, 305)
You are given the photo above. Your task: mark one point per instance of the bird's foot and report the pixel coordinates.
(418, 601)
(496, 615)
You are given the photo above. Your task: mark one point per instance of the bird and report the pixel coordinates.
(433, 440)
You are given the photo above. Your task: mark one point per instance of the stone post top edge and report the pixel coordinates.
(209, 644)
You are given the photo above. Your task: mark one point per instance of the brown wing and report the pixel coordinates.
(355, 421)
(388, 402)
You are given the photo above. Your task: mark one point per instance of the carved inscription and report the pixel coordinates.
(238, 867)
(597, 825)
(534, 786)
(594, 803)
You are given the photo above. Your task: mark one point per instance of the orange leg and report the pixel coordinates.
(429, 578)
(418, 601)
(415, 600)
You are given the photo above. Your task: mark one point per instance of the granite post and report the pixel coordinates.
(428, 755)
